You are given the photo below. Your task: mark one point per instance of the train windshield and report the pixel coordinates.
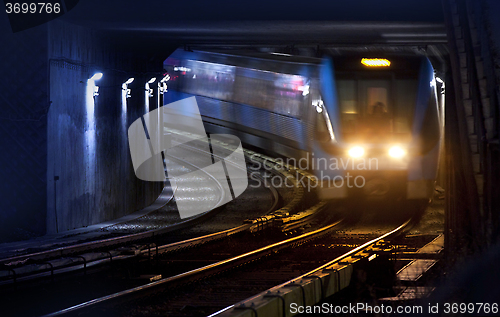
(376, 109)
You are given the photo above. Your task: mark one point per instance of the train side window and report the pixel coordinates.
(207, 79)
(280, 93)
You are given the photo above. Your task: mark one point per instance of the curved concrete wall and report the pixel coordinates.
(87, 137)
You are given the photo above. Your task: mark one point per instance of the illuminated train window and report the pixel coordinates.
(285, 94)
(376, 108)
(376, 100)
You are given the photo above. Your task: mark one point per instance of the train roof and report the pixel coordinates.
(294, 64)
(288, 64)
(241, 56)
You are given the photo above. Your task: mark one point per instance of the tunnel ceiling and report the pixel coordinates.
(137, 13)
(335, 26)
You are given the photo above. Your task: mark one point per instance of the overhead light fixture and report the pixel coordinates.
(149, 91)
(443, 86)
(375, 62)
(96, 76)
(165, 79)
(92, 80)
(125, 87)
(162, 84)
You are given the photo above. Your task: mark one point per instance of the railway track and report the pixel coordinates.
(314, 285)
(209, 288)
(162, 244)
(81, 255)
(99, 250)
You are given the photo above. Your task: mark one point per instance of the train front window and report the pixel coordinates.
(376, 109)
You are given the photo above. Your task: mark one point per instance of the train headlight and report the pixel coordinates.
(356, 151)
(397, 152)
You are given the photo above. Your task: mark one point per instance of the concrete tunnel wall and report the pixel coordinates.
(23, 131)
(87, 145)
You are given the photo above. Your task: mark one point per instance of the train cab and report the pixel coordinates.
(386, 132)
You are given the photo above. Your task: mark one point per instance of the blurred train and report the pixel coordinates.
(368, 127)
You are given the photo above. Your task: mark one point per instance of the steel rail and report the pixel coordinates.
(118, 257)
(295, 281)
(203, 271)
(158, 249)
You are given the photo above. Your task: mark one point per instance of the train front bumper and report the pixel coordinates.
(380, 185)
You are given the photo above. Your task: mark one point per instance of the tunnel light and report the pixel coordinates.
(125, 87)
(375, 62)
(149, 91)
(162, 87)
(96, 76)
(397, 152)
(356, 152)
(92, 80)
(162, 84)
(443, 86)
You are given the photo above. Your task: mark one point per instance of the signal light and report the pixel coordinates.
(376, 62)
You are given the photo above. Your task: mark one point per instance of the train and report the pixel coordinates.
(367, 125)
